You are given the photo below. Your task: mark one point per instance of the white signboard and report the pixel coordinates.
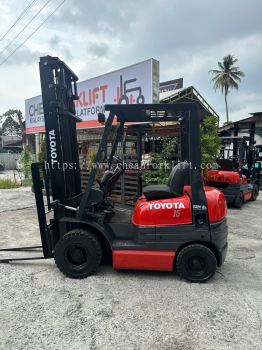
(135, 84)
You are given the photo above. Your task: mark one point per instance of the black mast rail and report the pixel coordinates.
(59, 92)
(61, 172)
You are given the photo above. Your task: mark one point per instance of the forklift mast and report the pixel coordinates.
(240, 147)
(251, 159)
(59, 91)
(242, 151)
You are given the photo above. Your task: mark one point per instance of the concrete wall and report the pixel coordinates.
(9, 160)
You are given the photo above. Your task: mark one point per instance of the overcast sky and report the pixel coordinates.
(188, 37)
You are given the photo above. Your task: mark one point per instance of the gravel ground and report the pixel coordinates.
(42, 309)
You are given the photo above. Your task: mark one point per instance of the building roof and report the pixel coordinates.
(255, 117)
(188, 94)
(11, 141)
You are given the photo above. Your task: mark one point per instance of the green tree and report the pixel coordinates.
(210, 142)
(227, 77)
(10, 127)
(17, 116)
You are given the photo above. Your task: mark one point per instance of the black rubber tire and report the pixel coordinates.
(78, 254)
(199, 255)
(239, 200)
(254, 193)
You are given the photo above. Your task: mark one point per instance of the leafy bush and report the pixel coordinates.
(9, 183)
(210, 142)
(210, 145)
(159, 170)
(91, 158)
(42, 152)
(27, 159)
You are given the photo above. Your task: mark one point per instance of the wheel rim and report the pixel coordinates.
(76, 256)
(197, 266)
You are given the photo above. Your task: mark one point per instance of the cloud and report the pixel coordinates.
(187, 37)
(112, 17)
(23, 56)
(56, 45)
(54, 41)
(98, 50)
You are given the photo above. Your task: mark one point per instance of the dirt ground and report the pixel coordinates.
(42, 309)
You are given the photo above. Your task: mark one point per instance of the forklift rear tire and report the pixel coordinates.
(196, 263)
(239, 200)
(78, 254)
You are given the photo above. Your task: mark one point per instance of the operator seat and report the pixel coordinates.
(109, 180)
(225, 164)
(178, 178)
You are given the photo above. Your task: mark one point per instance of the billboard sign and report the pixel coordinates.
(171, 85)
(135, 84)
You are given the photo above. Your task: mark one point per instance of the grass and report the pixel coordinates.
(9, 183)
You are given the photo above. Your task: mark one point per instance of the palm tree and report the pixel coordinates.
(227, 77)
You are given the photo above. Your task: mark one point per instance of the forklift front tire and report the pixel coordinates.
(78, 254)
(196, 263)
(239, 200)
(254, 193)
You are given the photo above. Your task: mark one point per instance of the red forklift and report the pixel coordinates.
(179, 226)
(237, 176)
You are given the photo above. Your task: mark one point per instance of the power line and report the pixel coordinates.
(24, 28)
(25, 10)
(41, 24)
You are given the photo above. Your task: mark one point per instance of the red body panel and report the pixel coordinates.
(171, 211)
(177, 211)
(247, 196)
(216, 203)
(223, 176)
(244, 179)
(144, 260)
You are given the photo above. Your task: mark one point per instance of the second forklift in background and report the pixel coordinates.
(237, 176)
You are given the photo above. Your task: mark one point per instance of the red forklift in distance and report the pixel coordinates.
(239, 183)
(179, 226)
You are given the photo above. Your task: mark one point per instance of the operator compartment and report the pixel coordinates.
(165, 204)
